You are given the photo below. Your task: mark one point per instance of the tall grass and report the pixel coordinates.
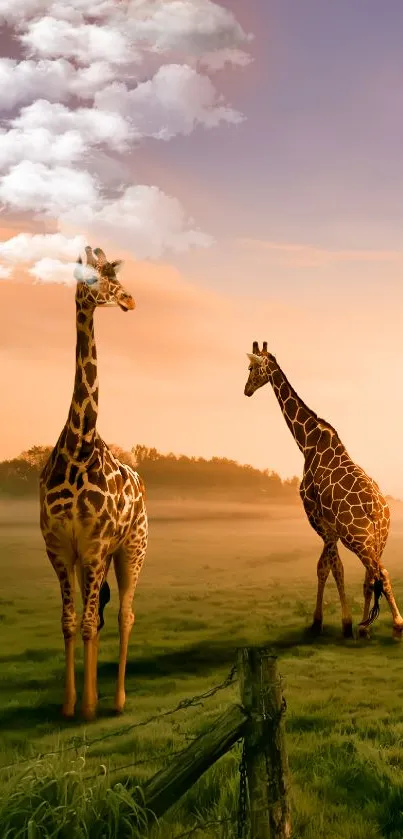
(56, 798)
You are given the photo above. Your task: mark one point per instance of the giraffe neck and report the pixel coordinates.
(80, 428)
(305, 426)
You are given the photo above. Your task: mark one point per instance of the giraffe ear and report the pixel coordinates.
(117, 265)
(255, 359)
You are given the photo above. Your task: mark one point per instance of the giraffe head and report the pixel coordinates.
(258, 368)
(97, 283)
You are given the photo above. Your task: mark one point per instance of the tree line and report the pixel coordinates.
(175, 474)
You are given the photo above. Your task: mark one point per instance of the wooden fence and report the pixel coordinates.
(258, 720)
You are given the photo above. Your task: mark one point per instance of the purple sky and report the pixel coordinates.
(320, 155)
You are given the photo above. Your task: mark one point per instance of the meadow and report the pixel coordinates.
(218, 575)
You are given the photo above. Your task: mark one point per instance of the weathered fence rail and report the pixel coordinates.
(264, 811)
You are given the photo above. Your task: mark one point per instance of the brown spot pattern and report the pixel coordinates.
(341, 501)
(92, 506)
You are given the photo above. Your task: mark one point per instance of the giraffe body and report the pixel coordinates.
(92, 506)
(340, 500)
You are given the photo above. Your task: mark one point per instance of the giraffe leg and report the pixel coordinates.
(323, 570)
(337, 570)
(127, 562)
(92, 575)
(101, 607)
(63, 564)
(363, 631)
(397, 618)
(80, 577)
(327, 560)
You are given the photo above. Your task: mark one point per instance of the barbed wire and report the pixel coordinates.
(79, 743)
(150, 759)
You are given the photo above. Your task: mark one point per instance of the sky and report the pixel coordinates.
(245, 160)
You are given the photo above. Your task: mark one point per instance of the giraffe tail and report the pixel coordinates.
(104, 598)
(378, 592)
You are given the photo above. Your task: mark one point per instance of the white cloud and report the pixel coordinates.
(39, 145)
(217, 59)
(48, 270)
(91, 8)
(51, 253)
(52, 134)
(92, 124)
(23, 81)
(30, 247)
(56, 80)
(189, 26)
(95, 50)
(172, 102)
(51, 37)
(88, 80)
(47, 137)
(17, 10)
(45, 189)
(20, 11)
(5, 272)
(143, 220)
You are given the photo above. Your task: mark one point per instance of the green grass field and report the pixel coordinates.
(214, 578)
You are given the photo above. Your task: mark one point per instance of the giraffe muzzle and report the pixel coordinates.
(126, 303)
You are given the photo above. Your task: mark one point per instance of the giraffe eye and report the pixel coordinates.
(91, 280)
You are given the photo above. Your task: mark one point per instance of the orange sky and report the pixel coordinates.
(172, 372)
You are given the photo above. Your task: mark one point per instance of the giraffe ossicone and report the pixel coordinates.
(92, 506)
(340, 500)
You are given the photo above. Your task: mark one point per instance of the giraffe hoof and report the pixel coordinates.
(68, 711)
(348, 630)
(363, 632)
(119, 704)
(317, 627)
(397, 633)
(88, 714)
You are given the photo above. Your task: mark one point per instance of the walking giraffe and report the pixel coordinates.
(92, 506)
(340, 500)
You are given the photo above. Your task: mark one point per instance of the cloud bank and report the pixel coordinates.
(97, 78)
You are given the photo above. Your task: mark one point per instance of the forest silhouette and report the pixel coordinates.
(165, 474)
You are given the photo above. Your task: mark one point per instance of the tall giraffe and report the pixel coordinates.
(92, 506)
(340, 500)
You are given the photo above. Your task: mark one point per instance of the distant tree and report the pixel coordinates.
(18, 477)
(163, 472)
(123, 456)
(37, 456)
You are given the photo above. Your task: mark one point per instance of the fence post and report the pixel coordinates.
(265, 753)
